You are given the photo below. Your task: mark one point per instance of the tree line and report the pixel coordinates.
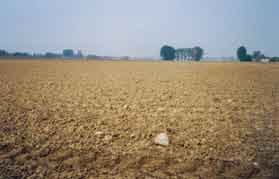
(167, 53)
(66, 53)
(170, 53)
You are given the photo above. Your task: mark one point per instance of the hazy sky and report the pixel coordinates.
(139, 27)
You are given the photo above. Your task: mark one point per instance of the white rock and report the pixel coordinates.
(125, 106)
(99, 133)
(162, 139)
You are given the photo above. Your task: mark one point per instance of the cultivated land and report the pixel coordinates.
(92, 119)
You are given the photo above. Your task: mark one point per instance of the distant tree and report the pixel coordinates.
(49, 55)
(91, 56)
(274, 59)
(257, 55)
(189, 53)
(179, 54)
(38, 55)
(197, 53)
(242, 53)
(3, 53)
(21, 54)
(248, 58)
(167, 53)
(69, 53)
(79, 54)
(52, 55)
(125, 58)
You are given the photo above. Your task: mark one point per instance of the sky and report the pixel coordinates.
(139, 28)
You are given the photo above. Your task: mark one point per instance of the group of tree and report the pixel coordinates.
(274, 59)
(170, 53)
(183, 54)
(256, 56)
(242, 54)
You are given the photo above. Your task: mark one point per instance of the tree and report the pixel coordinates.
(189, 53)
(69, 53)
(257, 55)
(21, 54)
(79, 54)
(91, 56)
(274, 59)
(197, 53)
(179, 54)
(248, 58)
(3, 53)
(241, 53)
(52, 55)
(167, 53)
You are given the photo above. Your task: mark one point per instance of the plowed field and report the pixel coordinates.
(93, 119)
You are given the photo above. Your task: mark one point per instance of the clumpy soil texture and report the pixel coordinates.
(90, 119)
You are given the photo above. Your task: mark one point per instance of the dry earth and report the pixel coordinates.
(92, 119)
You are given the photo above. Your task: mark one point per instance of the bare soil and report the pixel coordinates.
(91, 119)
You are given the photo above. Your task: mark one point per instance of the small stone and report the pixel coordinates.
(125, 106)
(133, 135)
(99, 133)
(162, 139)
(256, 164)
